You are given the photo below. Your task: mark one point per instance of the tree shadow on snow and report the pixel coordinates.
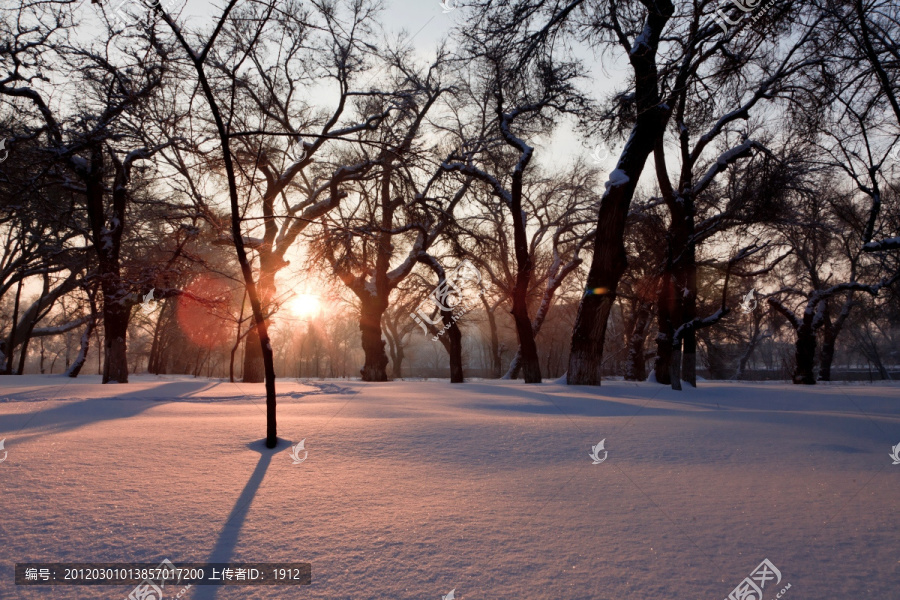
(826, 414)
(223, 551)
(533, 400)
(79, 413)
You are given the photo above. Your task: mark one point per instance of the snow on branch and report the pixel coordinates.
(887, 244)
(785, 311)
(477, 173)
(729, 157)
(814, 312)
(709, 321)
(59, 329)
(699, 323)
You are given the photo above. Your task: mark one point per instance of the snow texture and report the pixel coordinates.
(413, 489)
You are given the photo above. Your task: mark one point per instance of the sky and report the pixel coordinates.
(426, 22)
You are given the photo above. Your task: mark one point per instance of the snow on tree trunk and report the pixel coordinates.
(76, 366)
(515, 367)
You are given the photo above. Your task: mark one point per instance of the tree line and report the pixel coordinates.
(758, 170)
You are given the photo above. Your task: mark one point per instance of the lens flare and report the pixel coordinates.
(202, 311)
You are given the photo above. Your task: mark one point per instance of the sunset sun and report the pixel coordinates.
(305, 305)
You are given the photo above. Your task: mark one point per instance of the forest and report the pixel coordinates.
(587, 189)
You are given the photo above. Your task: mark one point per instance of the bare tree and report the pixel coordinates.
(391, 211)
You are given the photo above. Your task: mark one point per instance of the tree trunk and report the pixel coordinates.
(515, 366)
(609, 258)
(33, 315)
(635, 366)
(608, 264)
(115, 327)
(831, 332)
(755, 337)
(397, 368)
(662, 367)
(11, 343)
(689, 298)
(23, 354)
(153, 363)
(675, 367)
(390, 337)
(682, 266)
(254, 368)
(375, 367)
(496, 366)
(76, 366)
(454, 339)
(829, 339)
(805, 354)
(531, 366)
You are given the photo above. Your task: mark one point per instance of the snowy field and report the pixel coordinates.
(412, 489)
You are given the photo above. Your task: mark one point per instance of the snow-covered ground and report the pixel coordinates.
(412, 489)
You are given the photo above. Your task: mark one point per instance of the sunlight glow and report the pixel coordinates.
(305, 305)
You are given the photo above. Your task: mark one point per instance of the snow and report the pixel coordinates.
(642, 42)
(412, 489)
(617, 178)
(886, 244)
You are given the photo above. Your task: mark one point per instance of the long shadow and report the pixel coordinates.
(223, 551)
(75, 414)
(831, 415)
(535, 400)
